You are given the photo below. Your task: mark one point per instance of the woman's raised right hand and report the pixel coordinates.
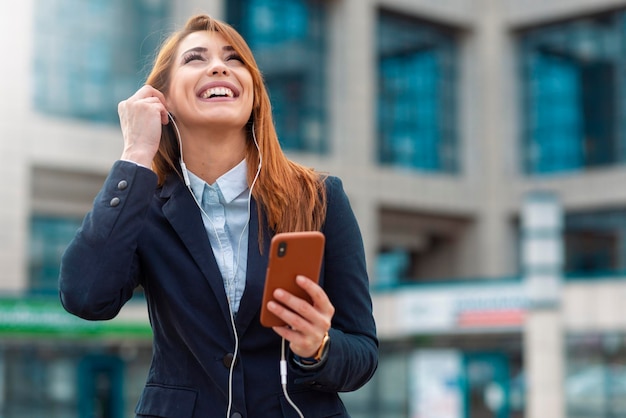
(142, 117)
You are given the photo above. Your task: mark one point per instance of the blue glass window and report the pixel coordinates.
(49, 236)
(392, 267)
(556, 115)
(288, 40)
(416, 98)
(572, 73)
(594, 379)
(595, 244)
(387, 394)
(89, 55)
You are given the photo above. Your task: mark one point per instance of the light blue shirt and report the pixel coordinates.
(225, 216)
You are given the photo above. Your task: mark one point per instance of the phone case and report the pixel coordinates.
(291, 254)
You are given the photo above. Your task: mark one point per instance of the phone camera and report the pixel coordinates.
(282, 249)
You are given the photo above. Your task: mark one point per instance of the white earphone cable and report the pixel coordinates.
(283, 378)
(230, 282)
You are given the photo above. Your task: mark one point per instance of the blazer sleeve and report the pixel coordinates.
(99, 268)
(353, 352)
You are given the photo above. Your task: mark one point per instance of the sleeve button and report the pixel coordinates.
(122, 185)
(114, 202)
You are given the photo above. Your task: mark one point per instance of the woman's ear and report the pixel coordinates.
(168, 105)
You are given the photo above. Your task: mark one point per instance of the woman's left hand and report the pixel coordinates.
(307, 322)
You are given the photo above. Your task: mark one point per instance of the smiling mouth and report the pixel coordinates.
(217, 92)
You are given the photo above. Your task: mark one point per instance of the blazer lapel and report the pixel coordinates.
(250, 304)
(182, 212)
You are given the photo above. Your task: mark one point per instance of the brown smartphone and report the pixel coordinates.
(291, 254)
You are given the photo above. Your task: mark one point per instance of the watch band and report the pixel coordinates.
(309, 361)
(323, 347)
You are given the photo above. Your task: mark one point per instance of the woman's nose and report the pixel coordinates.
(218, 69)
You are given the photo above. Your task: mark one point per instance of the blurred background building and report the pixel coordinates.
(483, 147)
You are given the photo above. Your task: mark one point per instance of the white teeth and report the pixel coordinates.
(217, 91)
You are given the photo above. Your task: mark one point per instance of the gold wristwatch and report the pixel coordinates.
(323, 348)
(321, 352)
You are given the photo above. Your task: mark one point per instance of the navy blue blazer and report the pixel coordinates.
(138, 234)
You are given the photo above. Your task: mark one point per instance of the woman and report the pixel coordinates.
(194, 232)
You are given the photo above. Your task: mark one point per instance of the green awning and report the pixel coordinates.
(45, 317)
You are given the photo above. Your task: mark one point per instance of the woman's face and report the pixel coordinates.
(209, 85)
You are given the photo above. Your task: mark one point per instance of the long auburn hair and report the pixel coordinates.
(293, 197)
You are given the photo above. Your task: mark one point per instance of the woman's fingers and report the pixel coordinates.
(141, 118)
(307, 321)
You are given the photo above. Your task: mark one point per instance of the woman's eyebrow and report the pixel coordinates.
(202, 49)
(195, 49)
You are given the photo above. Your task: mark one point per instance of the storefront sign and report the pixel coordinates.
(460, 307)
(46, 317)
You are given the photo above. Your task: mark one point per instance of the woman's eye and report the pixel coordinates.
(191, 57)
(235, 57)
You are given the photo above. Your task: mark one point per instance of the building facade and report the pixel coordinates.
(481, 142)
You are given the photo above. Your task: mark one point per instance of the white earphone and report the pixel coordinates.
(283, 361)
(230, 281)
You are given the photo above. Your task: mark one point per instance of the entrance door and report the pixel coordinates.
(487, 390)
(100, 391)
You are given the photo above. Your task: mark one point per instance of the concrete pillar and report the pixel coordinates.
(544, 364)
(542, 259)
(487, 50)
(16, 87)
(184, 9)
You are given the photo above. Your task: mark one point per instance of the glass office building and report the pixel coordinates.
(443, 119)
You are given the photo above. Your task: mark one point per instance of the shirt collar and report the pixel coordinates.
(231, 184)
